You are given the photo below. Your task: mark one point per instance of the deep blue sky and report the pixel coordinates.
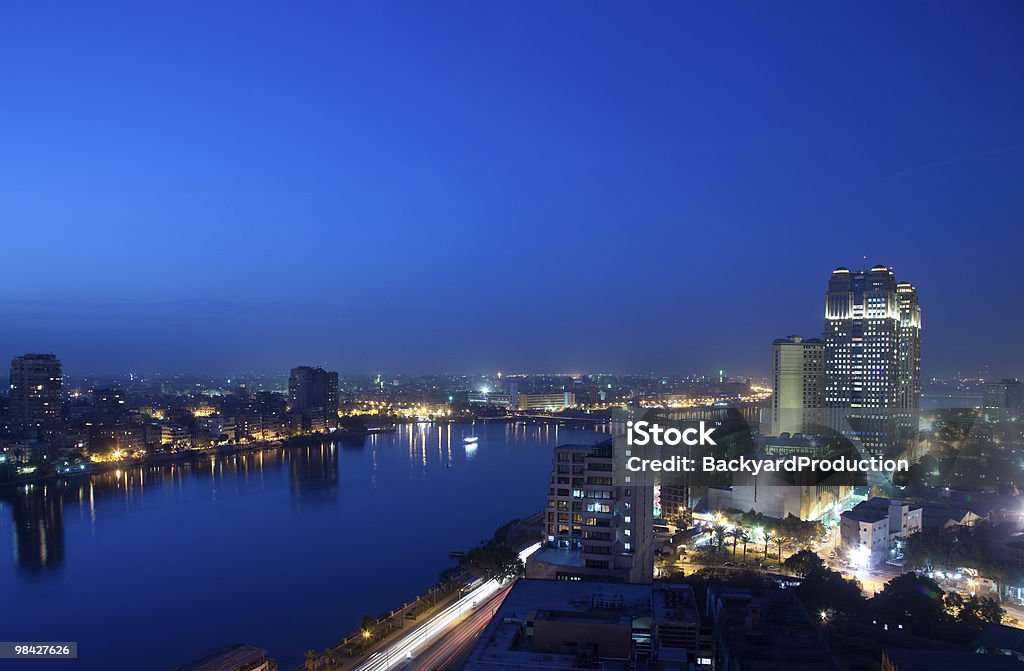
(505, 185)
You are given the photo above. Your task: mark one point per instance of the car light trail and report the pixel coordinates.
(405, 646)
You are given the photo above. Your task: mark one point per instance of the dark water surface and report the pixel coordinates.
(150, 567)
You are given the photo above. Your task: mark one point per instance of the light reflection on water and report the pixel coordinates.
(285, 549)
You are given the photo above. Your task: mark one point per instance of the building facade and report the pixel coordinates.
(513, 400)
(872, 359)
(798, 384)
(599, 522)
(867, 533)
(36, 404)
(551, 402)
(313, 392)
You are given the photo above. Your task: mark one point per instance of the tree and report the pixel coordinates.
(803, 563)
(312, 660)
(494, 562)
(799, 531)
(735, 534)
(744, 538)
(911, 600)
(330, 658)
(926, 549)
(973, 611)
(718, 531)
(823, 589)
(989, 611)
(780, 541)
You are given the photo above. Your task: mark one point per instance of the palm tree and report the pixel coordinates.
(735, 533)
(312, 660)
(744, 538)
(767, 538)
(331, 658)
(780, 540)
(719, 533)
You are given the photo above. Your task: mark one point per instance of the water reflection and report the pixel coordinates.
(312, 472)
(144, 540)
(38, 521)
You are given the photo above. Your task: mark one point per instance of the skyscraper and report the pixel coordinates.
(798, 384)
(36, 406)
(872, 358)
(312, 391)
(909, 349)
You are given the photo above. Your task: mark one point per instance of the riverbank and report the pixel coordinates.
(376, 634)
(350, 438)
(176, 457)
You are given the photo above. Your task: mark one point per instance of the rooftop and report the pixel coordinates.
(502, 646)
(929, 660)
(766, 628)
(674, 603)
(558, 556)
(1000, 637)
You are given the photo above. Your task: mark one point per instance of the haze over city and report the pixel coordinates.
(396, 187)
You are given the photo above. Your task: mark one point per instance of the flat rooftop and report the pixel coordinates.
(674, 603)
(558, 557)
(767, 628)
(502, 647)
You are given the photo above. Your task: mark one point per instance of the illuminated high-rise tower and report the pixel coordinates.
(909, 349)
(872, 358)
(798, 370)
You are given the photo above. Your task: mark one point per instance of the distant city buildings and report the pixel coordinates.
(515, 401)
(872, 358)
(551, 402)
(36, 404)
(313, 397)
(1004, 395)
(599, 523)
(798, 385)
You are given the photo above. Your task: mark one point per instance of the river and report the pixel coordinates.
(150, 567)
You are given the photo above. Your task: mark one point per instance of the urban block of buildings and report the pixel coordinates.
(869, 532)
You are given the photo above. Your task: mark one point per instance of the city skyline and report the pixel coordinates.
(403, 336)
(712, 369)
(468, 188)
(908, 292)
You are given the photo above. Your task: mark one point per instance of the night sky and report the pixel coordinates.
(484, 186)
